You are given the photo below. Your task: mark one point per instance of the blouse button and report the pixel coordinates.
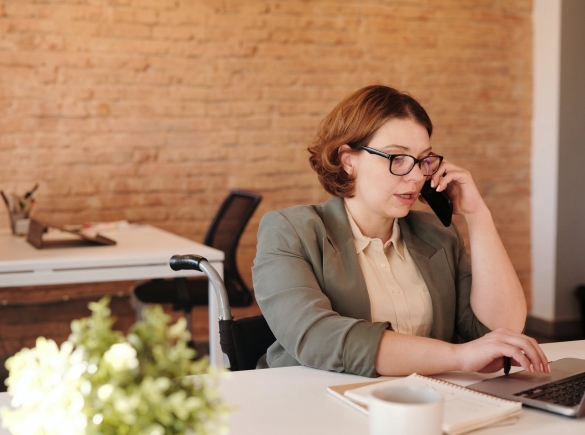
(382, 265)
(396, 292)
(404, 328)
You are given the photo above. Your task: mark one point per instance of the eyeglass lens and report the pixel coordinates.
(402, 165)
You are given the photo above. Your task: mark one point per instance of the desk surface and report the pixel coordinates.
(294, 400)
(141, 252)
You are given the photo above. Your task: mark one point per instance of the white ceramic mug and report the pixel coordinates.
(405, 411)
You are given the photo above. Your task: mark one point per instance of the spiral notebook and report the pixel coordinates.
(464, 409)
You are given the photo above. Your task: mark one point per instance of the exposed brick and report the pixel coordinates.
(151, 110)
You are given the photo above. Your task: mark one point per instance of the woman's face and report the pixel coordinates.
(378, 191)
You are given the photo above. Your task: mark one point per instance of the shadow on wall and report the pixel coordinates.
(580, 294)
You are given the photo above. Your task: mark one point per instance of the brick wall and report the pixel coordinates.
(151, 110)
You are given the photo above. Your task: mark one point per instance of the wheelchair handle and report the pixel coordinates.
(197, 262)
(186, 262)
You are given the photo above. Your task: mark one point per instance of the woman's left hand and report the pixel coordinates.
(496, 298)
(459, 185)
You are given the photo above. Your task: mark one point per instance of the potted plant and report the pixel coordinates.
(102, 382)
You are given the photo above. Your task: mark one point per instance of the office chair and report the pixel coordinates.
(224, 234)
(243, 341)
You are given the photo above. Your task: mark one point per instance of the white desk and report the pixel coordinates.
(142, 252)
(294, 400)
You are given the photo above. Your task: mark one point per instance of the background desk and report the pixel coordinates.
(142, 252)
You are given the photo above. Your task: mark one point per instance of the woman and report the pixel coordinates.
(361, 284)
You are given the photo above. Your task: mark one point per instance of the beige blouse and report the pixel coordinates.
(397, 291)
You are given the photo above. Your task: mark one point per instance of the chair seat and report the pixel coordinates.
(187, 293)
(244, 341)
(160, 291)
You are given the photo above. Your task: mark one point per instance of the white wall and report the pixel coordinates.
(545, 151)
(570, 269)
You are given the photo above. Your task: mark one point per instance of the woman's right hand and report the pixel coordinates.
(486, 354)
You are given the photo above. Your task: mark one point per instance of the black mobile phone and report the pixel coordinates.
(439, 202)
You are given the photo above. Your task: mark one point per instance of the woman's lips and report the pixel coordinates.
(408, 198)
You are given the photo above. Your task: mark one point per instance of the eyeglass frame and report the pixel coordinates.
(391, 158)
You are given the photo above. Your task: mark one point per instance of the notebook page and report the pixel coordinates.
(464, 409)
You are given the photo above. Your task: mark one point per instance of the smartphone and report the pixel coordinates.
(439, 202)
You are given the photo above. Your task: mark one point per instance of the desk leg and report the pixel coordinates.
(215, 353)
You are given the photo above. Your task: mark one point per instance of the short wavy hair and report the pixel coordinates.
(353, 122)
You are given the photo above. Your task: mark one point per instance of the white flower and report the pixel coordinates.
(121, 356)
(44, 384)
(97, 374)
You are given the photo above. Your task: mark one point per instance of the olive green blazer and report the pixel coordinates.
(310, 287)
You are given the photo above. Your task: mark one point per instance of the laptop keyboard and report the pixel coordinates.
(566, 392)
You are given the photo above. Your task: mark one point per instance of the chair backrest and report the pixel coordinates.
(224, 233)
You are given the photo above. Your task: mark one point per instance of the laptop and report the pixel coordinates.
(561, 391)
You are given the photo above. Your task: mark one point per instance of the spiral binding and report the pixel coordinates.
(459, 387)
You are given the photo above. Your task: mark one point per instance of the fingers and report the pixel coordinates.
(539, 354)
(519, 357)
(530, 348)
(447, 173)
(524, 350)
(459, 184)
(486, 353)
(441, 172)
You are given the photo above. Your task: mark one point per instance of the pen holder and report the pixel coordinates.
(19, 208)
(19, 222)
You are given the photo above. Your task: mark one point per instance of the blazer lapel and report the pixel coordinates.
(343, 278)
(435, 270)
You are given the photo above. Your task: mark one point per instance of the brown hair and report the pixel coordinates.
(353, 122)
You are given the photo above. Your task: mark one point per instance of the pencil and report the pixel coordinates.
(507, 365)
(5, 200)
(31, 192)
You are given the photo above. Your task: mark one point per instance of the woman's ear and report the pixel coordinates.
(346, 158)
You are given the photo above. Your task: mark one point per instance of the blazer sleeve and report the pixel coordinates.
(298, 312)
(468, 325)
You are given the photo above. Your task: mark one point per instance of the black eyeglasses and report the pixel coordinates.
(402, 164)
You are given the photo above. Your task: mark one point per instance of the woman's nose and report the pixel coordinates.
(416, 174)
